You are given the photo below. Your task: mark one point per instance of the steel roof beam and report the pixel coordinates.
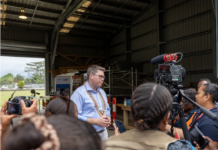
(110, 3)
(103, 17)
(32, 8)
(91, 25)
(105, 12)
(30, 16)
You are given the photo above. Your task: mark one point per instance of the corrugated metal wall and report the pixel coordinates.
(186, 26)
(21, 35)
(75, 45)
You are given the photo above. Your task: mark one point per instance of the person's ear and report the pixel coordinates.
(207, 97)
(166, 118)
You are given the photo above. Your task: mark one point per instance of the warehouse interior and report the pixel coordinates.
(120, 34)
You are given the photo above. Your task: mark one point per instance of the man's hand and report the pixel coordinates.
(5, 118)
(32, 109)
(109, 119)
(103, 121)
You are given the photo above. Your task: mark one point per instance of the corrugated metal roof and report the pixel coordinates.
(99, 17)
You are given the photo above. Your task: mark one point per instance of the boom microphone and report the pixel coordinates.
(164, 58)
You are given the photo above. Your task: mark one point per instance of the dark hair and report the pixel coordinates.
(61, 106)
(191, 93)
(205, 79)
(24, 136)
(72, 133)
(211, 89)
(150, 104)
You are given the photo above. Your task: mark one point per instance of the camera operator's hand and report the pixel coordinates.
(210, 146)
(32, 109)
(5, 117)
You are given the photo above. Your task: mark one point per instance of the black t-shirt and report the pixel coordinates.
(208, 126)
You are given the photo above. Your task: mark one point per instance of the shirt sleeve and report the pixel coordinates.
(78, 100)
(180, 145)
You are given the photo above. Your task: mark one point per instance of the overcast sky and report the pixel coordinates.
(15, 65)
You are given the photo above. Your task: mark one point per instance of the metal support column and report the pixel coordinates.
(132, 78)
(216, 17)
(159, 27)
(109, 80)
(136, 80)
(128, 42)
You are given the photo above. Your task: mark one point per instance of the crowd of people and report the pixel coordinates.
(80, 122)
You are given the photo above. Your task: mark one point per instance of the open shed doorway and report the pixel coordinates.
(18, 71)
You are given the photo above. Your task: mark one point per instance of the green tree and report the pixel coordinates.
(36, 71)
(7, 79)
(27, 81)
(18, 77)
(20, 84)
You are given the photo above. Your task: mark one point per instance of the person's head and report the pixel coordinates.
(150, 106)
(207, 95)
(202, 82)
(95, 75)
(63, 133)
(191, 93)
(61, 106)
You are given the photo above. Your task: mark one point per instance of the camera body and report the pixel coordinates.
(170, 75)
(14, 105)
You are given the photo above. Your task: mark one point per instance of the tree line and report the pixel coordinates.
(35, 71)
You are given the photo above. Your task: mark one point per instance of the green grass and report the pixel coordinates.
(5, 95)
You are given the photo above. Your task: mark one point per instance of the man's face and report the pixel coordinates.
(98, 78)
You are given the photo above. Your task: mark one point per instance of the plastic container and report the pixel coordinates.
(124, 102)
(128, 101)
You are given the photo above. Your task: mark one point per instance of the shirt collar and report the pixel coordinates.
(89, 87)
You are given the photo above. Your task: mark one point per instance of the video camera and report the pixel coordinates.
(169, 74)
(14, 105)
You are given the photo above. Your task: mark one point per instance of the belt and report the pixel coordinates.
(100, 131)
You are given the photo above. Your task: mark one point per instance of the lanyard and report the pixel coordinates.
(100, 112)
(198, 117)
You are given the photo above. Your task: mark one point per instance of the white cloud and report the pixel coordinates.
(15, 65)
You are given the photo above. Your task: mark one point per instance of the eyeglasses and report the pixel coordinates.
(101, 77)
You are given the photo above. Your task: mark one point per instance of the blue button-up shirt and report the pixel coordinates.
(86, 106)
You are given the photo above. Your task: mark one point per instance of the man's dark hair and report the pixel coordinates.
(191, 93)
(72, 133)
(150, 104)
(211, 89)
(60, 106)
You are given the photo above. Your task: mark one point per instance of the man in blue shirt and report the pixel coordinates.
(91, 101)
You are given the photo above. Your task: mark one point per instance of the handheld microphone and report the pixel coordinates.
(164, 58)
